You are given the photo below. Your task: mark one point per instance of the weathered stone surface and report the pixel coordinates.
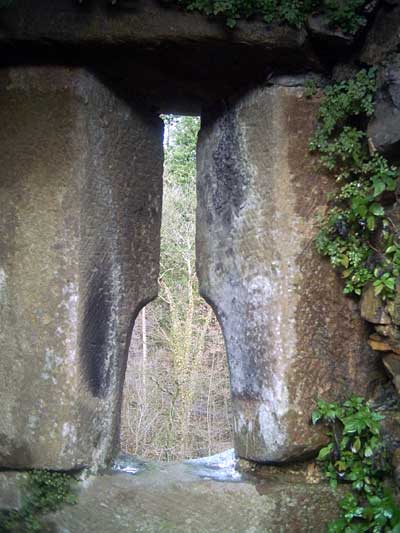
(390, 342)
(392, 364)
(10, 490)
(344, 71)
(396, 466)
(384, 128)
(331, 38)
(372, 308)
(393, 308)
(291, 334)
(174, 500)
(80, 195)
(147, 23)
(390, 429)
(177, 60)
(378, 344)
(383, 37)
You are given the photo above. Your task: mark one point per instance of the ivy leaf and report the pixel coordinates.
(368, 451)
(315, 416)
(338, 526)
(390, 283)
(378, 289)
(333, 483)
(371, 223)
(377, 210)
(391, 249)
(325, 452)
(379, 187)
(355, 447)
(345, 261)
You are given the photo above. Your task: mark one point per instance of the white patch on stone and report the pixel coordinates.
(70, 331)
(3, 279)
(69, 435)
(273, 433)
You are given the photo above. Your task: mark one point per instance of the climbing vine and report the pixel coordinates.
(356, 455)
(347, 16)
(43, 492)
(357, 235)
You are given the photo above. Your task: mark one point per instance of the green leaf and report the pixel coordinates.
(378, 289)
(379, 187)
(355, 447)
(333, 483)
(368, 451)
(371, 223)
(325, 452)
(345, 261)
(377, 210)
(315, 416)
(390, 283)
(391, 249)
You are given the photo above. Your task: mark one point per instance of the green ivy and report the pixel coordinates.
(357, 456)
(356, 218)
(43, 492)
(346, 16)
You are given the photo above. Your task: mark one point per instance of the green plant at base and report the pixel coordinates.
(356, 455)
(310, 88)
(345, 15)
(43, 492)
(356, 217)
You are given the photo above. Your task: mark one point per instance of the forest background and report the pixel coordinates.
(177, 398)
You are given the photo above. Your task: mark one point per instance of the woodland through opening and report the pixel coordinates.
(177, 401)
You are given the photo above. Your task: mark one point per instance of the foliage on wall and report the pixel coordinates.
(348, 16)
(356, 455)
(43, 491)
(357, 235)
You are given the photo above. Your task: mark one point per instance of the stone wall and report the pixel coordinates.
(80, 206)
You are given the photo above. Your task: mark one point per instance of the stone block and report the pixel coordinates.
(291, 334)
(383, 36)
(10, 490)
(372, 308)
(384, 128)
(80, 206)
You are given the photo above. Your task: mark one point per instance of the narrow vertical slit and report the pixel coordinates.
(177, 396)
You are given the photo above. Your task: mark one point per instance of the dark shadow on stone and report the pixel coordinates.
(96, 325)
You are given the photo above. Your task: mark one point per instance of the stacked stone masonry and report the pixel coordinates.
(80, 211)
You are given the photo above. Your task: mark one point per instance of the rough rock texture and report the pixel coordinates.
(80, 195)
(396, 466)
(372, 308)
(177, 60)
(174, 500)
(331, 39)
(10, 492)
(144, 22)
(384, 128)
(392, 364)
(384, 35)
(291, 334)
